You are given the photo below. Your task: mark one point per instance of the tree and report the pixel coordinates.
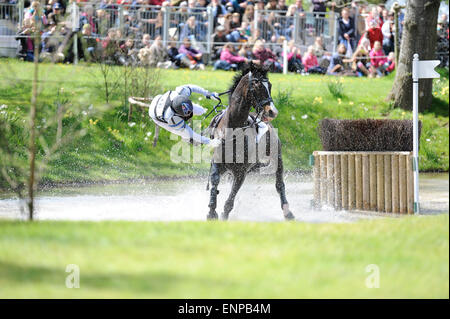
(419, 36)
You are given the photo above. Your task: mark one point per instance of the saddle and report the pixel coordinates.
(251, 122)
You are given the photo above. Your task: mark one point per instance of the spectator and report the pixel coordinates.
(282, 5)
(229, 60)
(374, 34)
(377, 60)
(178, 59)
(146, 41)
(360, 58)
(271, 5)
(294, 58)
(249, 13)
(26, 42)
(88, 42)
(193, 30)
(388, 36)
(319, 9)
(158, 55)
(311, 63)
(217, 10)
(389, 65)
(218, 39)
(236, 34)
(246, 52)
(56, 15)
(347, 30)
(321, 53)
(337, 65)
(266, 57)
(195, 56)
(87, 17)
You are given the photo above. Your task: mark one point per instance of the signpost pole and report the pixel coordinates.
(415, 76)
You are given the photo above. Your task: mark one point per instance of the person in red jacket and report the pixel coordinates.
(374, 33)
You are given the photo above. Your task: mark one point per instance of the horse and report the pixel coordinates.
(250, 88)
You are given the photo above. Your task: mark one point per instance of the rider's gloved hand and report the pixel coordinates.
(215, 142)
(213, 95)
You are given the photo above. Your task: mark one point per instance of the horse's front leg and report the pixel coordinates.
(238, 180)
(279, 185)
(215, 179)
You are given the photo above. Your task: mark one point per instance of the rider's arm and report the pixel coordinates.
(179, 127)
(198, 110)
(188, 89)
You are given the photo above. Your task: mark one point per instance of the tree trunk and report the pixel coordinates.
(419, 36)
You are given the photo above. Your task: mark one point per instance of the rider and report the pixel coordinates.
(173, 109)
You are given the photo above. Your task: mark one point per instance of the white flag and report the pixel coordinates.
(425, 69)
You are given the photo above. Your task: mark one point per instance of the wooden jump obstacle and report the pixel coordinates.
(369, 181)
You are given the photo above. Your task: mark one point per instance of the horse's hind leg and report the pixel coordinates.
(238, 180)
(279, 185)
(215, 179)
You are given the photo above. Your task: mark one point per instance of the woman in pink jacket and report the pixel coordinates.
(228, 59)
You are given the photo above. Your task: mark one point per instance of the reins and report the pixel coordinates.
(219, 104)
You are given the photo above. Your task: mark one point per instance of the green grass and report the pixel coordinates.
(226, 260)
(301, 100)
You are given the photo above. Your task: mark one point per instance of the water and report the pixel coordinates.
(187, 199)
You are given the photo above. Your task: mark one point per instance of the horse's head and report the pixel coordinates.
(253, 86)
(260, 97)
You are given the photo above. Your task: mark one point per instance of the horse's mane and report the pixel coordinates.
(259, 72)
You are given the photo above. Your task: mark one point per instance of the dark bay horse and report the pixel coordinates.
(250, 88)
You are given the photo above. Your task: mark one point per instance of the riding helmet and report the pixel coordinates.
(182, 106)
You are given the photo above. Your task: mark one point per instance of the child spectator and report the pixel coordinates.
(360, 58)
(178, 59)
(389, 65)
(195, 56)
(311, 63)
(337, 62)
(377, 60)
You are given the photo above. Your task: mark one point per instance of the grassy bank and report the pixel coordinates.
(112, 149)
(226, 260)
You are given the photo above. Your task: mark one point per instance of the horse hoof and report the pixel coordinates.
(212, 216)
(289, 216)
(224, 216)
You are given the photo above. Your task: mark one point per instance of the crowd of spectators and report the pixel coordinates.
(365, 35)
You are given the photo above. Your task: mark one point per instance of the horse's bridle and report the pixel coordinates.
(259, 107)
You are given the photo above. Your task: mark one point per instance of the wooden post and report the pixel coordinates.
(402, 188)
(410, 184)
(351, 182)
(330, 179)
(358, 182)
(387, 184)
(380, 183)
(365, 182)
(344, 181)
(317, 181)
(373, 181)
(337, 182)
(395, 194)
(323, 179)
